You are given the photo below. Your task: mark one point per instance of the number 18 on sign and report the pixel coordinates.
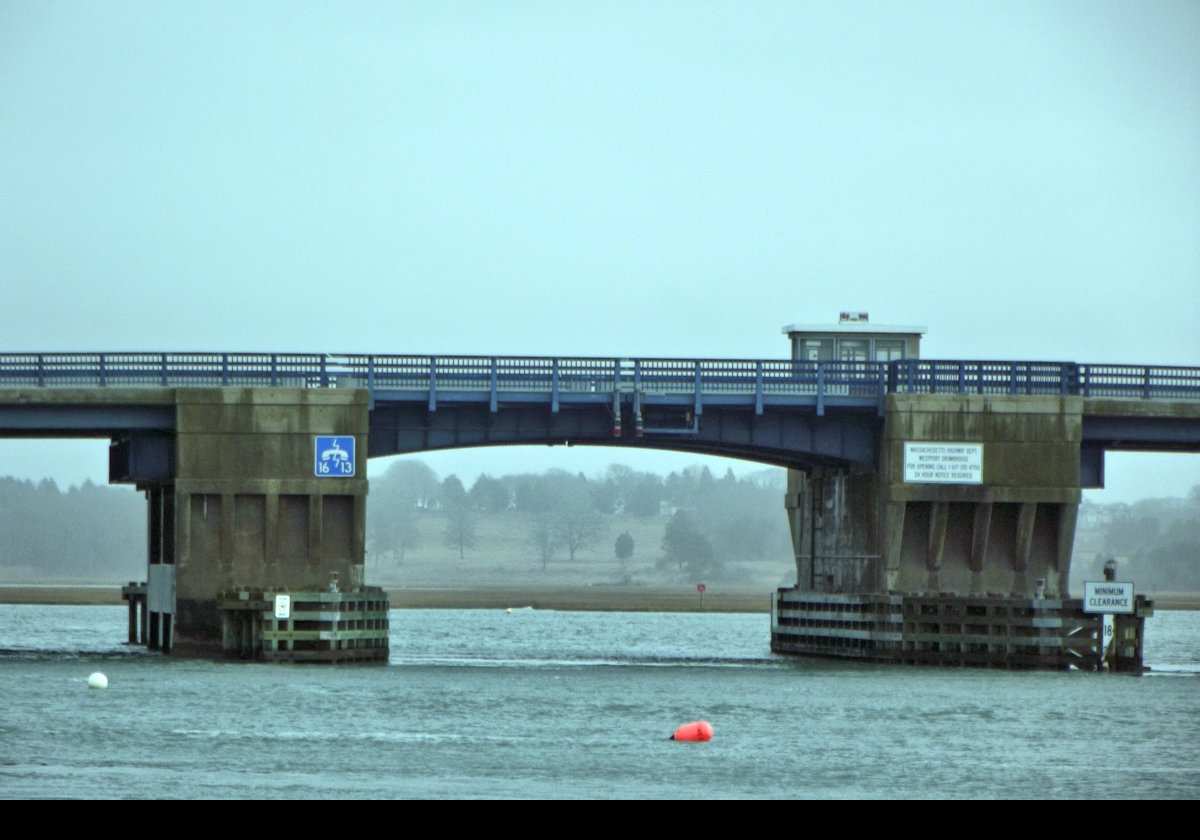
(334, 457)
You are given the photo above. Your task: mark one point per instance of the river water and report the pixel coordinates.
(547, 704)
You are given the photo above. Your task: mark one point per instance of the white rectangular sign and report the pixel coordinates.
(283, 606)
(1107, 596)
(943, 463)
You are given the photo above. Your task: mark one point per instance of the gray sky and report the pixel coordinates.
(614, 179)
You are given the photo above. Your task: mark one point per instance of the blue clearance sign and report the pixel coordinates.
(334, 457)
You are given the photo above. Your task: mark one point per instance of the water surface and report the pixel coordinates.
(478, 703)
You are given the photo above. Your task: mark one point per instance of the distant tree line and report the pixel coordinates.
(706, 521)
(97, 532)
(1156, 543)
(90, 532)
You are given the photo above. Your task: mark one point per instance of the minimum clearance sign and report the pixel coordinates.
(943, 463)
(1107, 597)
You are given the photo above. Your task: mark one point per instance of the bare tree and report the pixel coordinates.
(543, 537)
(460, 522)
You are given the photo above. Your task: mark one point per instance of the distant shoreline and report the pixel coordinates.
(610, 598)
(586, 599)
(578, 598)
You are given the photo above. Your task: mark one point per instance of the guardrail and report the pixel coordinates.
(497, 376)
(168, 370)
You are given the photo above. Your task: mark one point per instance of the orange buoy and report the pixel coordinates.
(700, 730)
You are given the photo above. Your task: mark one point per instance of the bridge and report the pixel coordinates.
(227, 447)
(780, 411)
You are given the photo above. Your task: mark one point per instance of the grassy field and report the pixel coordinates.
(503, 569)
(504, 556)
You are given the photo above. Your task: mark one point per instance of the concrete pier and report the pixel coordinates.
(243, 505)
(913, 538)
(876, 531)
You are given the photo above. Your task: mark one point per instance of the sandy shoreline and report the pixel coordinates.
(583, 598)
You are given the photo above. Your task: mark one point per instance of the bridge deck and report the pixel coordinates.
(763, 409)
(585, 379)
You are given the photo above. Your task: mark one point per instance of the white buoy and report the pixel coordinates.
(97, 680)
(509, 610)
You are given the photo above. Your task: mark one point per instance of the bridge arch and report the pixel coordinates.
(798, 439)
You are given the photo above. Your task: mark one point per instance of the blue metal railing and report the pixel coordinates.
(174, 370)
(686, 380)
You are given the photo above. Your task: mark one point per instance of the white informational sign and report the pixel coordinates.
(283, 606)
(1107, 596)
(943, 463)
(334, 457)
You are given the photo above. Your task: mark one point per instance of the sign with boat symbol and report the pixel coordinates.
(334, 457)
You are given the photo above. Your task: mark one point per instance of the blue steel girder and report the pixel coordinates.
(794, 436)
(57, 420)
(407, 427)
(1142, 434)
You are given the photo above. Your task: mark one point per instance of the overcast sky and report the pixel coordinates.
(614, 179)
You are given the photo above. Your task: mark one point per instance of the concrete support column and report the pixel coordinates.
(1025, 522)
(798, 504)
(251, 510)
(894, 516)
(228, 523)
(271, 537)
(937, 545)
(159, 604)
(835, 521)
(980, 532)
(315, 518)
(816, 525)
(1067, 521)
